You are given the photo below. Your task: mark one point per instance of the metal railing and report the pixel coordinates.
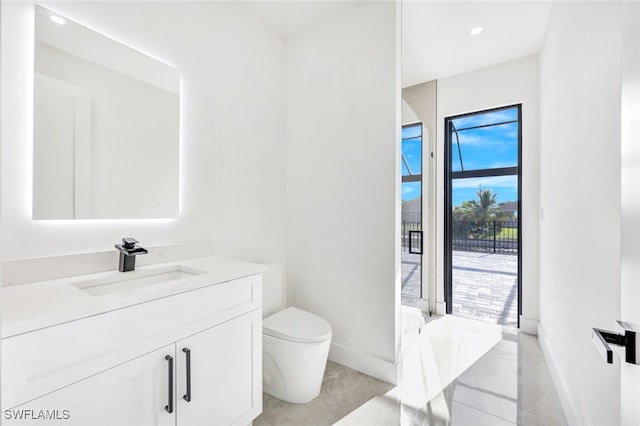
(404, 231)
(490, 236)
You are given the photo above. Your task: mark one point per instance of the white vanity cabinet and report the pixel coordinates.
(225, 374)
(133, 393)
(193, 358)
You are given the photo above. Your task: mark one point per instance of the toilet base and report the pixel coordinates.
(293, 371)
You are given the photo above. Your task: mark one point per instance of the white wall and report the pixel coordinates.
(422, 99)
(408, 115)
(630, 205)
(499, 85)
(580, 197)
(343, 107)
(232, 131)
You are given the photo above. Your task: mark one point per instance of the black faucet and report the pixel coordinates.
(128, 252)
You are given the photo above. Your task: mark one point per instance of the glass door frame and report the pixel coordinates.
(450, 175)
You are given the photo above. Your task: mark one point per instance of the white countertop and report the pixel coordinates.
(30, 307)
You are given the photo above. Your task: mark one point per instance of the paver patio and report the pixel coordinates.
(485, 285)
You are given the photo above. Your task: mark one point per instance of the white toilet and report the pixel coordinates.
(295, 346)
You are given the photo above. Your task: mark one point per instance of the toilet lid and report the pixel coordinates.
(296, 325)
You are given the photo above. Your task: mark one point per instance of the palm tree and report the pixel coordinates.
(485, 207)
(472, 216)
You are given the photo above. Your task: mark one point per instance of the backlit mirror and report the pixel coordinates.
(106, 126)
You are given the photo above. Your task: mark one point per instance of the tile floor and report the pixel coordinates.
(343, 390)
(485, 285)
(457, 371)
(410, 279)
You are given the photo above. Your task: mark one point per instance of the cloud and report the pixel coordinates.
(500, 164)
(486, 118)
(504, 134)
(491, 182)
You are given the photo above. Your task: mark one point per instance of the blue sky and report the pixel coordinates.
(488, 147)
(411, 147)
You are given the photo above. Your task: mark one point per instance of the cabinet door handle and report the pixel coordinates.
(169, 407)
(187, 396)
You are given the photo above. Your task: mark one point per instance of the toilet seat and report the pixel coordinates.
(295, 325)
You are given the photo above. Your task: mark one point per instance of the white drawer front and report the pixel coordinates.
(42, 361)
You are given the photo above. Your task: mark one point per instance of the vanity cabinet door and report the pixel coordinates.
(133, 393)
(226, 373)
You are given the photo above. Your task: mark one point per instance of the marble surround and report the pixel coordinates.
(457, 371)
(24, 271)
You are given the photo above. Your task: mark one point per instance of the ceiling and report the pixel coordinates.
(288, 18)
(436, 42)
(435, 34)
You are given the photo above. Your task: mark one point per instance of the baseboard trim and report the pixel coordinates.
(365, 363)
(528, 326)
(561, 387)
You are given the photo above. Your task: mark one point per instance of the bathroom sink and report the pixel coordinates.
(136, 279)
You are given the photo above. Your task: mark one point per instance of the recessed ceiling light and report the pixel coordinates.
(58, 20)
(476, 30)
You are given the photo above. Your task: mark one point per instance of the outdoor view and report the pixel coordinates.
(411, 213)
(483, 222)
(483, 249)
